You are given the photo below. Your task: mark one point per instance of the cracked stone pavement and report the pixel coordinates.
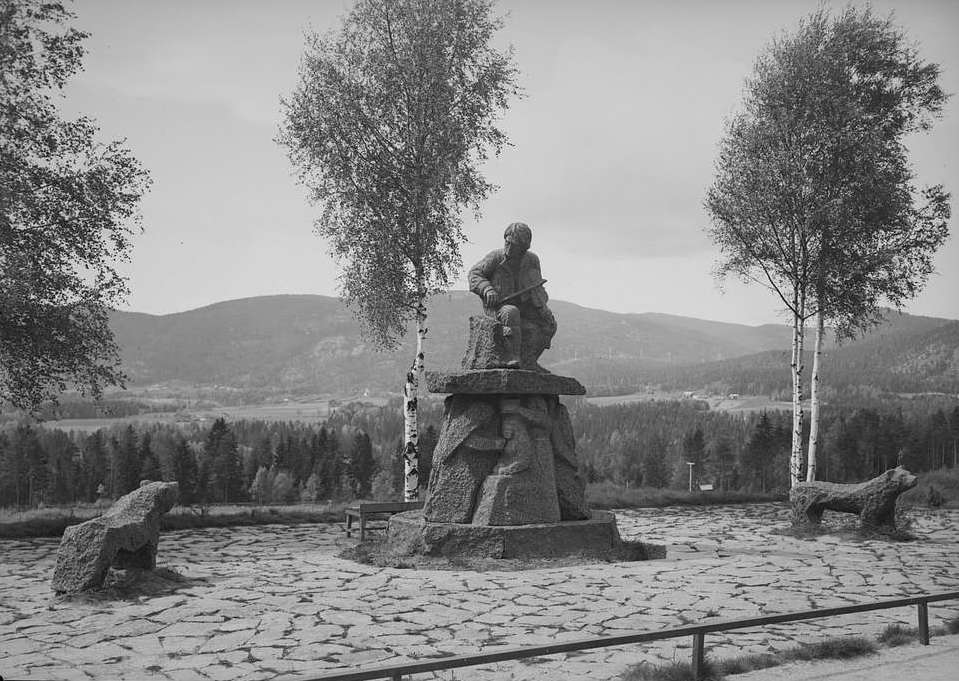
(275, 601)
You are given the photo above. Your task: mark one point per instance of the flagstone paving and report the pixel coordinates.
(275, 601)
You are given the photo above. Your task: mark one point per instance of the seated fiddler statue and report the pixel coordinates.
(510, 284)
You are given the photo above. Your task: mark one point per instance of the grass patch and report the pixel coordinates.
(750, 663)
(51, 522)
(608, 495)
(255, 515)
(895, 635)
(952, 625)
(832, 649)
(675, 671)
(843, 648)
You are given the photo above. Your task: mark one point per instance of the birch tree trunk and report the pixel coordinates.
(411, 474)
(796, 455)
(814, 400)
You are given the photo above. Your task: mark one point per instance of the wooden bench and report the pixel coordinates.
(366, 511)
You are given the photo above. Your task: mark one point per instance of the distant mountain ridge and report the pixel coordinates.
(312, 344)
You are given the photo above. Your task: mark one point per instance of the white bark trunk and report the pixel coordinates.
(796, 455)
(411, 475)
(814, 400)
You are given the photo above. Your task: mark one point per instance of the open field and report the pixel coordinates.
(736, 403)
(263, 602)
(51, 522)
(87, 511)
(315, 411)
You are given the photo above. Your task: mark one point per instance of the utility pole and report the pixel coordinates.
(690, 464)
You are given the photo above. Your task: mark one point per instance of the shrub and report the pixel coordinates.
(676, 671)
(896, 635)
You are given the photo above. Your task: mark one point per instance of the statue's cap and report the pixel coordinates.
(519, 233)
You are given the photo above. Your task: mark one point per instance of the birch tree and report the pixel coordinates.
(877, 231)
(759, 226)
(391, 119)
(814, 196)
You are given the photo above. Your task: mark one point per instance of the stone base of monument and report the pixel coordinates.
(410, 534)
(505, 481)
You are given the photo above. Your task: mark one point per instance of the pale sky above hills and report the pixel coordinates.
(613, 145)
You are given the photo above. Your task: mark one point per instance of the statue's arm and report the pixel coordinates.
(535, 274)
(480, 273)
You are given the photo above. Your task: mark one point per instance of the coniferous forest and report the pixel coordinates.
(355, 452)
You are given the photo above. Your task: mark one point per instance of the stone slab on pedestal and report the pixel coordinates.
(503, 382)
(514, 500)
(454, 486)
(410, 534)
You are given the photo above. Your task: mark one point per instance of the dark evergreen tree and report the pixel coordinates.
(149, 466)
(226, 481)
(62, 467)
(126, 464)
(18, 448)
(954, 435)
(655, 467)
(757, 455)
(185, 471)
(694, 451)
(719, 464)
(362, 465)
(263, 452)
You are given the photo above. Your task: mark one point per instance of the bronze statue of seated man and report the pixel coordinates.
(510, 284)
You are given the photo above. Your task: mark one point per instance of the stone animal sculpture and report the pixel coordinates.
(874, 501)
(125, 536)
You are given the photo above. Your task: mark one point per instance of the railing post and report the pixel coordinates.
(923, 607)
(396, 676)
(699, 655)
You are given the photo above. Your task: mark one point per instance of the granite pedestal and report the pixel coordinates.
(505, 481)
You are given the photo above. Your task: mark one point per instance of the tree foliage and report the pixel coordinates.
(387, 127)
(67, 203)
(814, 195)
(813, 187)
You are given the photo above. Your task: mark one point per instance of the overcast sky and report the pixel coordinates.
(613, 145)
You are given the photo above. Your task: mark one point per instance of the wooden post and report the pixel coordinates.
(923, 608)
(699, 656)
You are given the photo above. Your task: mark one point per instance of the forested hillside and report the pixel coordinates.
(256, 348)
(923, 357)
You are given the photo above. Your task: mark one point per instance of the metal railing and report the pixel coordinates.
(697, 632)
